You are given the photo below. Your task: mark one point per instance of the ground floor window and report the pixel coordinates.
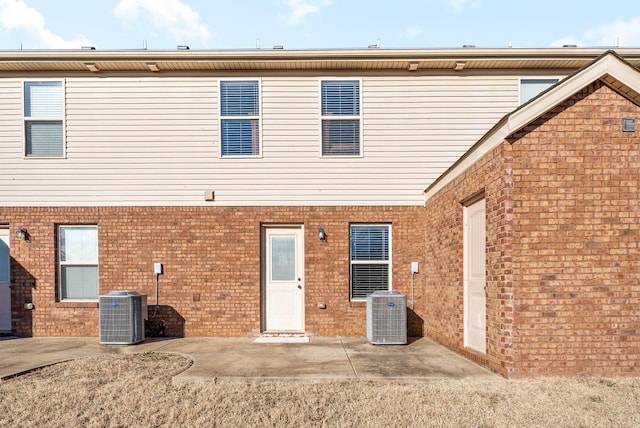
(370, 247)
(78, 262)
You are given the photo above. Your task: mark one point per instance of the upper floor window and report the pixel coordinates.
(370, 259)
(529, 88)
(240, 117)
(44, 118)
(78, 262)
(340, 111)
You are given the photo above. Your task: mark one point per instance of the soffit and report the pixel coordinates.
(319, 60)
(622, 88)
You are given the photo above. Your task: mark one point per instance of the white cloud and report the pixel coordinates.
(174, 16)
(412, 32)
(626, 33)
(302, 8)
(460, 5)
(15, 15)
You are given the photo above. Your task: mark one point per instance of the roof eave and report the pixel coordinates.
(479, 58)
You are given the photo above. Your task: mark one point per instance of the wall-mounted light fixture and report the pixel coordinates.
(22, 234)
(322, 235)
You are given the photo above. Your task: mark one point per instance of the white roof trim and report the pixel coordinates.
(608, 64)
(137, 60)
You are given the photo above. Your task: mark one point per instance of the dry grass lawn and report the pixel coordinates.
(137, 391)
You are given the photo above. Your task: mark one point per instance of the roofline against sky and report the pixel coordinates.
(341, 60)
(418, 53)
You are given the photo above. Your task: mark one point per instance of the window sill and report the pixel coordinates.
(76, 304)
(358, 304)
(349, 157)
(44, 157)
(240, 157)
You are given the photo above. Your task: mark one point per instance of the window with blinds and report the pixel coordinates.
(43, 118)
(78, 262)
(370, 254)
(240, 118)
(340, 111)
(529, 88)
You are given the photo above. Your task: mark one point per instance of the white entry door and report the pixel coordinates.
(5, 281)
(475, 300)
(284, 279)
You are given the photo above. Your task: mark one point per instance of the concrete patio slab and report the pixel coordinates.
(233, 359)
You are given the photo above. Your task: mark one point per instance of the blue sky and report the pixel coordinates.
(312, 24)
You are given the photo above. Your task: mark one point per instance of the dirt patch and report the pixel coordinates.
(136, 390)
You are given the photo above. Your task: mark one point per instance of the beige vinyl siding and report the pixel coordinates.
(290, 121)
(11, 124)
(428, 122)
(155, 141)
(125, 139)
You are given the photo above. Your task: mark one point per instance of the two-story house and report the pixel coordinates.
(277, 188)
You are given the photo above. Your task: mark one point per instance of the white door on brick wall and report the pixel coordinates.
(475, 301)
(284, 279)
(5, 290)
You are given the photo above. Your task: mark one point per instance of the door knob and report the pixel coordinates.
(300, 286)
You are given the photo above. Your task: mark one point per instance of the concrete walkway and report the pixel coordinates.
(222, 359)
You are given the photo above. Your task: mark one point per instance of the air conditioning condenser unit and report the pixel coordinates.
(122, 315)
(387, 318)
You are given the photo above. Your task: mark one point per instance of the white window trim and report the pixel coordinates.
(359, 117)
(371, 262)
(520, 79)
(221, 118)
(44, 119)
(61, 263)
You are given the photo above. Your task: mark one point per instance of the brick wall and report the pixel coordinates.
(577, 229)
(444, 259)
(212, 272)
(563, 226)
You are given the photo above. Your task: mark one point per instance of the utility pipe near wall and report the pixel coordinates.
(414, 271)
(157, 269)
(412, 285)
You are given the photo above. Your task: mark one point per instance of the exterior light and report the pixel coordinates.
(22, 234)
(322, 235)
